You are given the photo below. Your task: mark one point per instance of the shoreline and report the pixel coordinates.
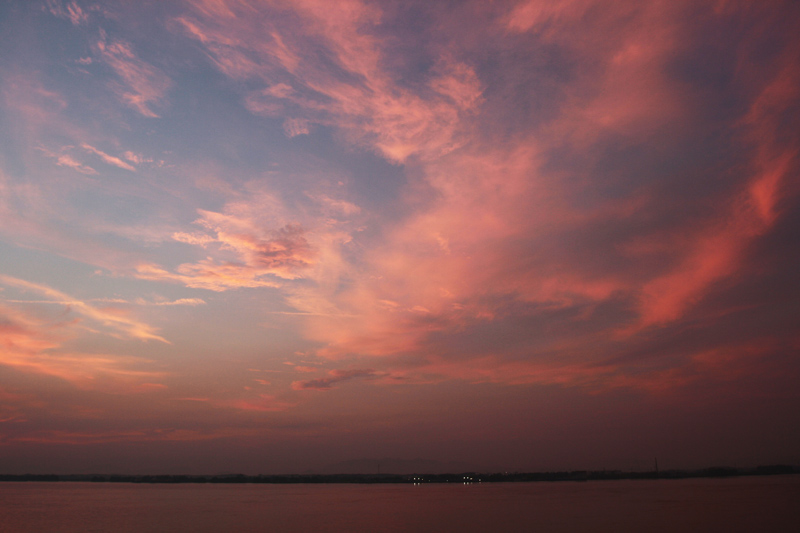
(464, 477)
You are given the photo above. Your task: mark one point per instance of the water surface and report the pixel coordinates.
(733, 504)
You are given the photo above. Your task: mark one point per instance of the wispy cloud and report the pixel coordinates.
(33, 345)
(375, 110)
(242, 251)
(70, 11)
(182, 301)
(143, 85)
(135, 158)
(294, 127)
(66, 160)
(117, 324)
(110, 159)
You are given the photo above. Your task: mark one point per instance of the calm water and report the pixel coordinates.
(739, 504)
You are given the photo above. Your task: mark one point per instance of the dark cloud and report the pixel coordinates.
(334, 376)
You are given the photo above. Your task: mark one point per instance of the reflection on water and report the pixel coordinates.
(738, 504)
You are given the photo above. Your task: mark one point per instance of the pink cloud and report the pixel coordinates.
(493, 230)
(533, 15)
(206, 275)
(137, 159)
(257, 241)
(396, 122)
(117, 324)
(143, 84)
(70, 11)
(246, 254)
(66, 160)
(34, 345)
(109, 159)
(716, 252)
(182, 301)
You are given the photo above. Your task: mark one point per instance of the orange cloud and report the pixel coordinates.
(258, 257)
(33, 345)
(255, 242)
(118, 325)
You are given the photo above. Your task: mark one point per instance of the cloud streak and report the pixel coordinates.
(109, 159)
(33, 345)
(117, 324)
(143, 85)
(66, 160)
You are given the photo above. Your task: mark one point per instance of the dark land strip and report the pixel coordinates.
(465, 477)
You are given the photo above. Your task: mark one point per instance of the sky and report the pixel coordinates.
(269, 236)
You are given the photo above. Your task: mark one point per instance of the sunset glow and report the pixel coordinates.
(273, 235)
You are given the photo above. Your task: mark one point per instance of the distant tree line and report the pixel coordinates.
(465, 477)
